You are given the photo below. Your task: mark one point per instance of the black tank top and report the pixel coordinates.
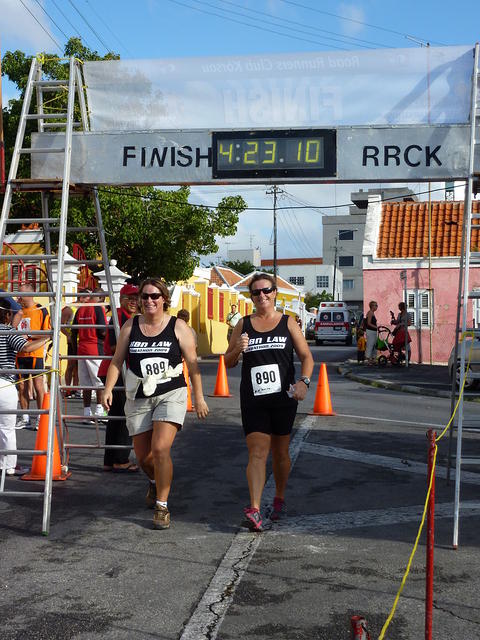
(267, 368)
(153, 354)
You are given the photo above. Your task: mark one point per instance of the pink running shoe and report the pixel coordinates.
(279, 509)
(253, 519)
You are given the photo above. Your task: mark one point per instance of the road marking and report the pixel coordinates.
(208, 616)
(330, 522)
(393, 464)
(419, 424)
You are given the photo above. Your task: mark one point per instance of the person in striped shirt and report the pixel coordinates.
(11, 343)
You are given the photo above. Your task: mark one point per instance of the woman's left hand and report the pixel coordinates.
(300, 390)
(201, 408)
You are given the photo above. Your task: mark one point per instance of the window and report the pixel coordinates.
(348, 284)
(345, 261)
(345, 234)
(298, 280)
(418, 308)
(322, 282)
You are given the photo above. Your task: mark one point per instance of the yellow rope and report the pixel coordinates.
(37, 375)
(420, 529)
(410, 560)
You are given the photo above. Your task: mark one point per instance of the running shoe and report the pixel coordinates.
(17, 471)
(151, 497)
(253, 519)
(161, 517)
(22, 423)
(279, 509)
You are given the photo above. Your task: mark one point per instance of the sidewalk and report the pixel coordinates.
(422, 379)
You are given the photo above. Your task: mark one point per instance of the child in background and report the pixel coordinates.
(361, 345)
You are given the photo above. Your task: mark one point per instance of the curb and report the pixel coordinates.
(393, 386)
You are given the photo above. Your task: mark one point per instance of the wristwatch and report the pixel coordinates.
(306, 380)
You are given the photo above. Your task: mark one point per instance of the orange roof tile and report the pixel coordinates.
(224, 275)
(404, 229)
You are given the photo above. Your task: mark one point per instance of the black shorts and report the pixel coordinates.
(29, 363)
(274, 421)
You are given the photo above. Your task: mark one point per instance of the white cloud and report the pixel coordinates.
(19, 30)
(352, 12)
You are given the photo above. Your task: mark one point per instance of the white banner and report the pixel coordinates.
(323, 89)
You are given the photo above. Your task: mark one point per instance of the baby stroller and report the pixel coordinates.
(393, 343)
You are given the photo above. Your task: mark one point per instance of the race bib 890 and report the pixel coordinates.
(266, 379)
(154, 366)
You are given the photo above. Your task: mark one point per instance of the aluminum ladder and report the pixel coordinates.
(471, 220)
(60, 123)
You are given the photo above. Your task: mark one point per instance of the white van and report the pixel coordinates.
(333, 323)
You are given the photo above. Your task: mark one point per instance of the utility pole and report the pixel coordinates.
(274, 191)
(336, 249)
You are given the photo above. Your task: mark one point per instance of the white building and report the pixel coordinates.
(310, 274)
(245, 255)
(343, 241)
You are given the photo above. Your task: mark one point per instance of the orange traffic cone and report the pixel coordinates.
(221, 385)
(39, 462)
(323, 404)
(190, 406)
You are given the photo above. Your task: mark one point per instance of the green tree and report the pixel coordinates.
(242, 266)
(148, 231)
(314, 299)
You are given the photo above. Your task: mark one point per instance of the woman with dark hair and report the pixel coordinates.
(401, 322)
(10, 344)
(268, 393)
(152, 345)
(371, 332)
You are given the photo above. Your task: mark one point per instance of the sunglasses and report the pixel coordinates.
(265, 290)
(153, 296)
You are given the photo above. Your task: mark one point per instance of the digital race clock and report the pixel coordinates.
(270, 154)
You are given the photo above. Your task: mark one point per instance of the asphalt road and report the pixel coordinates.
(354, 503)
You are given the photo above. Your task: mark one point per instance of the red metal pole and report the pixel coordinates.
(431, 435)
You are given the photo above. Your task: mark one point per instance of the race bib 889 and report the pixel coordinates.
(266, 379)
(154, 366)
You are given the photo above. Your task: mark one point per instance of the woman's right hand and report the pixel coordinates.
(242, 342)
(107, 400)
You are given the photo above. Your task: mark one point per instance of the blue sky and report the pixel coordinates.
(178, 28)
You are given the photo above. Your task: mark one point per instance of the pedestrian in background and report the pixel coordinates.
(361, 346)
(88, 341)
(184, 315)
(116, 433)
(232, 319)
(10, 344)
(371, 332)
(34, 318)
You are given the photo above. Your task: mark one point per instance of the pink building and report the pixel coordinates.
(397, 242)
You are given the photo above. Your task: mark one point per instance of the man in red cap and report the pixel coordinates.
(118, 460)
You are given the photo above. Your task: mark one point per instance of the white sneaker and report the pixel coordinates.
(33, 425)
(17, 471)
(22, 424)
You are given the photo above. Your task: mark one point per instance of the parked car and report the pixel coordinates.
(333, 323)
(473, 375)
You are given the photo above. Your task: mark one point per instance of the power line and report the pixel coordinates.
(107, 27)
(50, 18)
(253, 26)
(90, 27)
(154, 197)
(41, 25)
(75, 30)
(292, 238)
(365, 24)
(343, 39)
